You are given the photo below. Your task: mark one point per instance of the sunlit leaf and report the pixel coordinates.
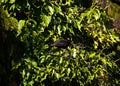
(12, 1)
(46, 20)
(59, 29)
(57, 75)
(51, 10)
(34, 63)
(104, 60)
(23, 73)
(21, 24)
(68, 71)
(97, 14)
(118, 47)
(71, 30)
(92, 54)
(95, 45)
(43, 78)
(31, 83)
(61, 60)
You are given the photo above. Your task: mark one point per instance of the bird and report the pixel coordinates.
(61, 43)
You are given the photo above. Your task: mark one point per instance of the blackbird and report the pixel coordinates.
(61, 43)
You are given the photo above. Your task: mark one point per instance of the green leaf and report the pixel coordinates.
(96, 14)
(74, 53)
(51, 10)
(118, 47)
(116, 37)
(12, 1)
(15, 65)
(23, 73)
(92, 54)
(57, 75)
(30, 83)
(34, 63)
(12, 7)
(58, 10)
(59, 29)
(64, 28)
(104, 60)
(68, 71)
(44, 77)
(21, 24)
(45, 20)
(3, 1)
(71, 31)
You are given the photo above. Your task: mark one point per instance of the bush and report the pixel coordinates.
(90, 60)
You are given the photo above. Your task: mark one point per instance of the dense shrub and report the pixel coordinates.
(91, 59)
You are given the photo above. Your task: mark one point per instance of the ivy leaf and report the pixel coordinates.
(51, 10)
(68, 71)
(58, 10)
(92, 54)
(96, 14)
(71, 30)
(21, 24)
(34, 63)
(3, 1)
(59, 29)
(44, 77)
(118, 48)
(23, 73)
(95, 45)
(11, 1)
(45, 20)
(57, 75)
(64, 28)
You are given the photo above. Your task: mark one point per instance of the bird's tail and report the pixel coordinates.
(52, 45)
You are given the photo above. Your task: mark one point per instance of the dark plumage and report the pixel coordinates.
(61, 43)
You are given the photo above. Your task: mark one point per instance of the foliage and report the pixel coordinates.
(91, 60)
(111, 7)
